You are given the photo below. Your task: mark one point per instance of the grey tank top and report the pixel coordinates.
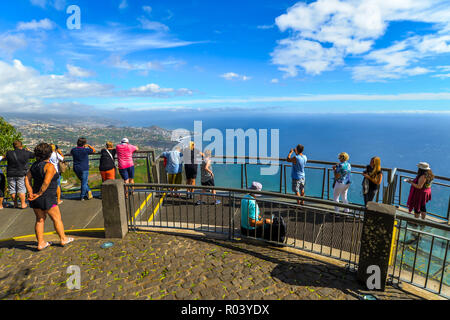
(205, 174)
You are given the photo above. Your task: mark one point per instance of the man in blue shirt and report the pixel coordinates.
(298, 171)
(252, 223)
(174, 166)
(80, 156)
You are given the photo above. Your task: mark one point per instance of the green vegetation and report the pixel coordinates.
(8, 134)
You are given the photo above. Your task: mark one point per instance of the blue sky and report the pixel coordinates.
(277, 56)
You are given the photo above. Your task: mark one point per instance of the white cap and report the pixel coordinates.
(256, 186)
(125, 140)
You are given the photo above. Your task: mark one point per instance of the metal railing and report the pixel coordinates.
(314, 226)
(421, 255)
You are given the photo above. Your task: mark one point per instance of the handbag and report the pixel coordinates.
(62, 166)
(278, 230)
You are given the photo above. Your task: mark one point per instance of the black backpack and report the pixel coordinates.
(278, 230)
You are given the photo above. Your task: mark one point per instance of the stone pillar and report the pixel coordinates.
(376, 243)
(114, 209)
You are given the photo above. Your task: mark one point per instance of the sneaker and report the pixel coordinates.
(90, 196)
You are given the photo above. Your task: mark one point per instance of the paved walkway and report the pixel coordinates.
(150, 265)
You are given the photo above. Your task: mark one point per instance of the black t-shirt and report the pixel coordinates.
(106, 162)
(18, 162)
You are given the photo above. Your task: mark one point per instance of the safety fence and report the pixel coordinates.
(420, 254)
(315, 226)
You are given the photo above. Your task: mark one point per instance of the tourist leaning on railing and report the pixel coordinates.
(124, 152)
(372, 179)
(420, 192)
(2, 185)
(80, 156)
(207, 176)
(298, 171)
(55, 159)
(15, 172)
(107, 165)
(342, 179)
(174, 166)
(192, 157)
(41, 183)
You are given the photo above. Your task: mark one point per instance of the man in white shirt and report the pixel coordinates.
(55, 158)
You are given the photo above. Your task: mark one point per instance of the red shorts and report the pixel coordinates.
(108, 175)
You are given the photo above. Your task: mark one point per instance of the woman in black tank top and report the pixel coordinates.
(41, 183)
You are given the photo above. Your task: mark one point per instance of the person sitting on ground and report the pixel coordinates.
(107, 165)
(372, 179)
(80, 156)
(298, 171)
(55, 158)
(207, 176)
(342, 176)
(124, 152)
(174, 166)
(252, 223)
(2, 185)
(16, 171)
(420, 191)
(41, 183)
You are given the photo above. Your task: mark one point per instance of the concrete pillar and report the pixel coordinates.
(376, 244)
(114, 209)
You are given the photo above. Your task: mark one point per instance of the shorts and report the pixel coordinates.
(175, 178)
(209, 183)
(127, 173)
(16, 185)
(298, 185)
(2, 186)
(191, 171)
(108, 175)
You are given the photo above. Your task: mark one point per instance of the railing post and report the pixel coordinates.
(376, 241)
(162, 173)
(114, 209)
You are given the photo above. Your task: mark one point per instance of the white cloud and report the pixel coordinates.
(57, 4)
(153, 25)
(78, 72)
(325, 32)
(24, 89)
(154, 90)
(235, 76)
(141, 66)
(44, 24)
(10, 43)
(123, 4)
(121, 40)
(147, 9)
(275, 80)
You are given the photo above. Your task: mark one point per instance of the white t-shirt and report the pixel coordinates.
(55, 158)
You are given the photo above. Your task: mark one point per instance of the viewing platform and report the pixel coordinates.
(178, 249)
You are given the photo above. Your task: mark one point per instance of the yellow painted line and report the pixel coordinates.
(53, 232)
(393, 244)
(141, 207)
(157, 207)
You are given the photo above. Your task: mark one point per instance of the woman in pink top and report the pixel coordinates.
(124, 152)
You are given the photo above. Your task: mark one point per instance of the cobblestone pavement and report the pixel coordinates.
(154, 265)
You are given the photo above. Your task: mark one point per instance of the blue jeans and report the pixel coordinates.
(83, 176)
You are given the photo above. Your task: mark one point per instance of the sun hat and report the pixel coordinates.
(125, 140)
(424, 166)
(256, 186)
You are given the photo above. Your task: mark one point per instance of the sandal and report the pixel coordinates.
(48, 244)
(69, 240)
